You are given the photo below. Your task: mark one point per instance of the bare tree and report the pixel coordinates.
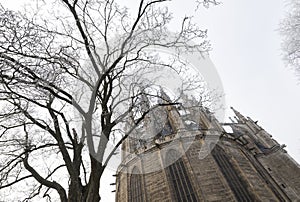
(70, 79)
(290, 31)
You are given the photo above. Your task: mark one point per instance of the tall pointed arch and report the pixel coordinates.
(182, 189)
(235, 182)
(136, 186)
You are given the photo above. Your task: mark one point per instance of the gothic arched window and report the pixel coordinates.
(234, 181)
(136, 188)
(182, 189)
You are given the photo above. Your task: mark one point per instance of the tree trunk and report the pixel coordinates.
(75, 192)
(92, 192)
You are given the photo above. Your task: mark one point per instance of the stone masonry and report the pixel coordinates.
(211, 163)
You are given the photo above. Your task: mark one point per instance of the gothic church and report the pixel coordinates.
(193, 157)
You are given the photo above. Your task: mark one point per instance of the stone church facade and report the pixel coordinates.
(194, 157)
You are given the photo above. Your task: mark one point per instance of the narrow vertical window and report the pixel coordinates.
(179, 179)
(234, 181)
(136, 193)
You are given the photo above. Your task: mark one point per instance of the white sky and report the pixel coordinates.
(246, 53)
(248, 58)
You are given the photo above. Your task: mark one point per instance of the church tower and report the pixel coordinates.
(183, 153)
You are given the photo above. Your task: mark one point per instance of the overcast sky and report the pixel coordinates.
(248, 58)
(246, 53)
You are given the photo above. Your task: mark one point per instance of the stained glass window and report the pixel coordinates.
(180, 182)
(136, 188)
(234, 181)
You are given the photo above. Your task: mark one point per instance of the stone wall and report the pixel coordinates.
(206, 177)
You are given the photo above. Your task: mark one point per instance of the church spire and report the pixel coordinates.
(240, 117)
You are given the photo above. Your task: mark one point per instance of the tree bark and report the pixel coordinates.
(93, 188)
